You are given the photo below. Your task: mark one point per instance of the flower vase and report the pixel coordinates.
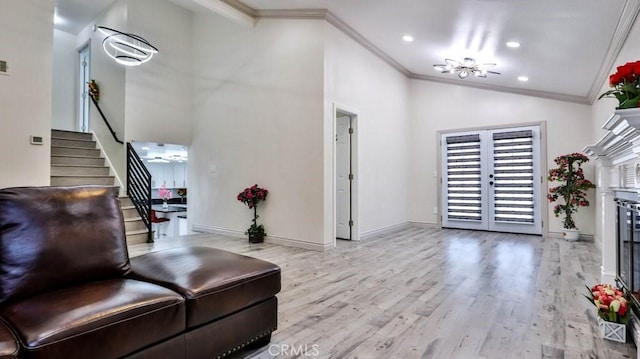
(613, 331)
(256, 237)
(165, 204)
(570, 235)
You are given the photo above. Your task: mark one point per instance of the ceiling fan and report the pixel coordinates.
(465, 68)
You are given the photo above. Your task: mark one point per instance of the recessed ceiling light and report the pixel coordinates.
(513, 44)
(523, 78)
(407, 38)
(145, 148)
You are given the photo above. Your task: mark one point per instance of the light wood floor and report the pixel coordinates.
(419, 292)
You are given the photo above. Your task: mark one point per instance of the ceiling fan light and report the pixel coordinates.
(441, 68)
(463, 74)
(469, 62)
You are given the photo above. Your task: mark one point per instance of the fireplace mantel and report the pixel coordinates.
(618, 168)
(622, 141)
(617, 157)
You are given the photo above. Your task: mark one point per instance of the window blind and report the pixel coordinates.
(463, 177)
(513, 176)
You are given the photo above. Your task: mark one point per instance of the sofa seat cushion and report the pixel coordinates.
(106, 319)
(8, 343)
(214, 282)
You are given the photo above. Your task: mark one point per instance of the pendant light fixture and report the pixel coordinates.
(125, 48)
(465, 68)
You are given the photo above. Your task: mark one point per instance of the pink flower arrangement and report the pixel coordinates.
(572, 188)
(252, 195)
(164, 193)
(612, 303)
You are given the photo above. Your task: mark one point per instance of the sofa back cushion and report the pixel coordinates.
(52, 237)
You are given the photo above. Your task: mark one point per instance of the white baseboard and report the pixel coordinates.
(299, 244)
(383, 229)
(218, 230)
(634, 325)
(426, 225)
(583, 237)
(269, 238)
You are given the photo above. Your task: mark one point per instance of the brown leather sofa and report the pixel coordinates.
(69, 290)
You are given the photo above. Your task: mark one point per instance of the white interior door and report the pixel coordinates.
(492, 180)
(83, 86)
(343, 170)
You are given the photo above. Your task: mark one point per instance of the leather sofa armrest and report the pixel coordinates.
(9, 346)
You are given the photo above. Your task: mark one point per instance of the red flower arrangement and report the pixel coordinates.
(251, 196)
(573, 188)
(612, 303)
(625, 85)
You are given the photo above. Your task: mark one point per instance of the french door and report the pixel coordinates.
(491, 180)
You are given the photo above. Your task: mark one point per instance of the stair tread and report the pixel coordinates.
(136, 231)
(76, 148)
(71, 139)
(69, 131)
(75, 156)
(92, 176)
(75, 165)
(133, 219)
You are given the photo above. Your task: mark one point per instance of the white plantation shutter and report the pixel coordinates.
(513, 164)
(491, 180)
(463, 183)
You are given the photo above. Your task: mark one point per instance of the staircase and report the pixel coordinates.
(76, 160)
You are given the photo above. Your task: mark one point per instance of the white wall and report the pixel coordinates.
(258, 118)
(111, 78)
(26, 35)
(438, 107)
(158, 93)
(356, 78)
(151, 102)
(65, 64)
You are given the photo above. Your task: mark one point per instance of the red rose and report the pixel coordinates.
(625, 70)
(636, 68)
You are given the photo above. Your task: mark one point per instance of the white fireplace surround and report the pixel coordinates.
(617, 157)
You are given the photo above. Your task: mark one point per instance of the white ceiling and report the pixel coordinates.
(567, 47)
(74, 15)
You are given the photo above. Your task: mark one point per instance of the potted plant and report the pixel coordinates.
(613, 311)
(251, 196)
(572, 190)
(625, 84)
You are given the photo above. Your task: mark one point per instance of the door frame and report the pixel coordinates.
(80, 102)
(342, 110)
(544, 188)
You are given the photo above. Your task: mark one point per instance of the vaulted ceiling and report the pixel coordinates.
(566, 47)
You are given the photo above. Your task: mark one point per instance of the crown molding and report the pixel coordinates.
(242, 7)
(309, 14)
(516, 91)
(623, 28)
(627, 18)
(357, 37)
